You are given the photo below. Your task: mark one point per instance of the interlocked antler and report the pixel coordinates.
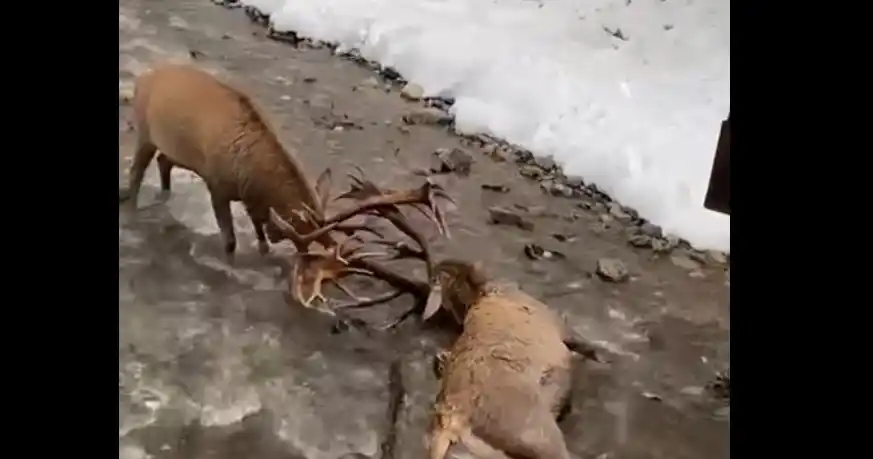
(340, 259)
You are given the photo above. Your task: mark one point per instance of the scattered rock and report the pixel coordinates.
(547, 163)
(574, 182)
(617, 33)
(617, 211)
(441, 103)
(683, 261)
(612, 270)
(495, 153)
(692, 390)
(557, 189)
(428, 115)
(495, 188)
(639, 240)
(531, 172)
(289, 37)
(652, 396)
(390, 73)
(455, 160)
(650, 230)
(310, 79)
(412, 91)
(721, 386)
(503, 216)
(563, 237)
(537, 252)
(668, 26)
(665, 245)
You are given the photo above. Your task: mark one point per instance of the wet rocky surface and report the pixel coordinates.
(214, 363)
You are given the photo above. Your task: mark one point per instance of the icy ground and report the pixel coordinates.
(628, 94)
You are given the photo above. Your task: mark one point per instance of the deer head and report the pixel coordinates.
(456, 285)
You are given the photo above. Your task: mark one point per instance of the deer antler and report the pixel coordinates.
(338, 260)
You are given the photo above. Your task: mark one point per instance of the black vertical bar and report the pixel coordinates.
(718, 195)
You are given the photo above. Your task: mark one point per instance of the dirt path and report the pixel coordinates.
(214, 364)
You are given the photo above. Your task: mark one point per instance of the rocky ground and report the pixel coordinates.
(214, 363)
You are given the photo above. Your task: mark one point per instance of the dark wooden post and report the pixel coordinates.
(718, 195)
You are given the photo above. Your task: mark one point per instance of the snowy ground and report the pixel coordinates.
(214, 364)
(628, 94)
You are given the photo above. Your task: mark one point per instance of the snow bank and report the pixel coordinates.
(639, 116)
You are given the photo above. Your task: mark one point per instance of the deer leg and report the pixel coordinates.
(165, 167)
(145, 151)
(259, 221)
(224, 219)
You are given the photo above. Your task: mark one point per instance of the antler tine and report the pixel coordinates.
(399, 221)
(351, 229)
(365, 205)
(364, 302)
(287, 228)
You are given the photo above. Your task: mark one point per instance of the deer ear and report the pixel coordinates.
(434, 301)
(322, 187)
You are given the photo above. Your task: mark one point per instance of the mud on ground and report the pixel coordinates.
(213, 363)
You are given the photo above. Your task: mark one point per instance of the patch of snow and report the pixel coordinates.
(639, 115)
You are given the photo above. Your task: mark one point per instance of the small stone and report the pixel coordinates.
(650, 229)
(692, 390)
(412, 91)
(495, 188)
(285, 97)
(403, 129)
(310, 79)
(665, 245)
(699, 257)
(612, 270)
(723, 412)
(652, 396)
(557, 189)
(390, 73)
(683, 261)
(574, 182)
(495, 153)
(454, 160)
(537, 252)
(503, 216)
(639, 240)
(522, 156)
(618, 212)
(531, 172)
(428, 115)
(547, 163)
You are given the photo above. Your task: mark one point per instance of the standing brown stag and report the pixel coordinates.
(214, 130)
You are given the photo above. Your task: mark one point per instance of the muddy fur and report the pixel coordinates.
(214, 130)
(508, 375)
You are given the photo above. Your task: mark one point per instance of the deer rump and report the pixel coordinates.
(214, 130)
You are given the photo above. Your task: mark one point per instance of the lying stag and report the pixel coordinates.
(214, 130)
(508, 376)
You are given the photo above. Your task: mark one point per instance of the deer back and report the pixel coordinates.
(215, 130)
